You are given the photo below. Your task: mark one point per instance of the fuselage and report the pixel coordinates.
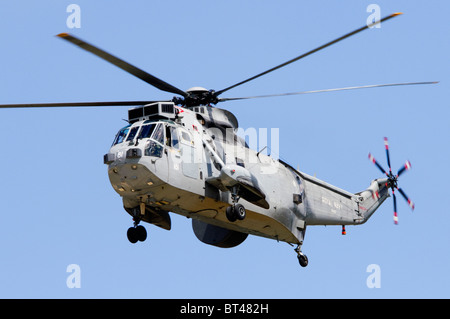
(190, 162)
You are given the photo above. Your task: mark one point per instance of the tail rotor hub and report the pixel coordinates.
(392, 181)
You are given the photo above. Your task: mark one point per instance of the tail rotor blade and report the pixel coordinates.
(410, 202)
(405, 167)
(395, 208)
(386, 144)
(373, 160)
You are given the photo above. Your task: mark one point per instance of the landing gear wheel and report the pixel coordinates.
(230, 214)
(132, 235)
(235, 212)
(302, 259)
(141, 233)
(136, 234)
(239, 211)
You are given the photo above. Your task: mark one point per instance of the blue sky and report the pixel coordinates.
(58, 207)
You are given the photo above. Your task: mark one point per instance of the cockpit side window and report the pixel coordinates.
(172, 137)
(154, 146)
(120, 137)
(168, 135)
(174, 134)
(158, 134)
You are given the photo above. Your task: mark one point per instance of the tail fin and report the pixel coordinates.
(373, 197)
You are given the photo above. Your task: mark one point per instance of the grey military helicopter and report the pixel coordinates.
(184, 156)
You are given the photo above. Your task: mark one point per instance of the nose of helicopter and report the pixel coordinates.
(130, 178)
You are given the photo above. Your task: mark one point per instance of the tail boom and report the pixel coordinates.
(371, 198)
(329, 205)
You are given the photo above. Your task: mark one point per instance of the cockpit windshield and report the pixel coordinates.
(157, 135)
(146, 130)
(120, 137)
(132, 133)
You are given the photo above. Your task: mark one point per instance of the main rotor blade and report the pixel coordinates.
(310, 52)
(325, 90)
(76, 104)
(150, 79)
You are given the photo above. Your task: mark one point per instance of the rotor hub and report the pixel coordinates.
(197, 96)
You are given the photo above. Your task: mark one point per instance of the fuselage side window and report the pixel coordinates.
(185, 137)
(240, 162)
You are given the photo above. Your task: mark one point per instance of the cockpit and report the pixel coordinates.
(155, 135)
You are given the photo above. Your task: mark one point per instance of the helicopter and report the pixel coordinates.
(184, 156)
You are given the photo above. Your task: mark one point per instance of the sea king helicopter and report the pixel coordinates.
(184, 156)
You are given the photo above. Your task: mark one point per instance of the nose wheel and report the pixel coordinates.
(302, 259)
(137, 233)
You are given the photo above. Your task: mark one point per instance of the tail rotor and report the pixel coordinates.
(392, 180)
